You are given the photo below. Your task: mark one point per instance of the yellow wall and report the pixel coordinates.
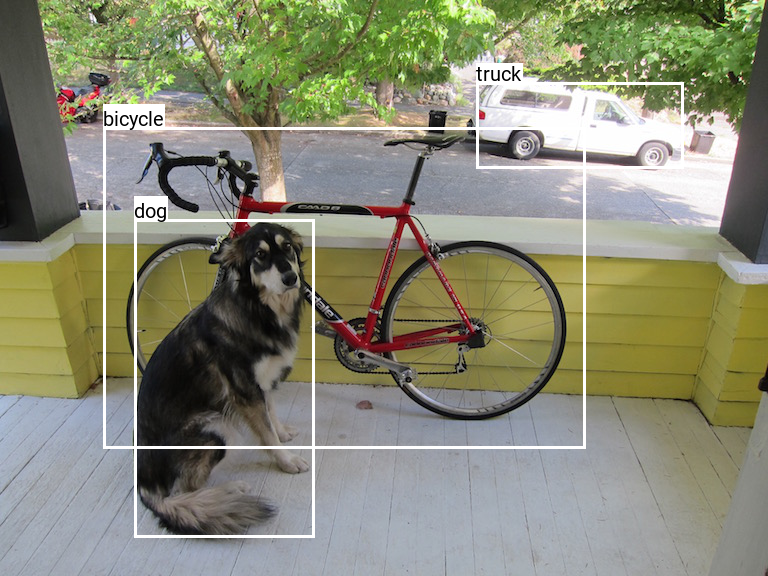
(647, 324)
(46, 335)
(655, 328)
(650, 328)
(735, 354)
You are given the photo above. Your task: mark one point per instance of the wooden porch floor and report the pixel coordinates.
(648, 495)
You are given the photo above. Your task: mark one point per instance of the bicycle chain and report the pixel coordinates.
(420, 373)
(419, 320)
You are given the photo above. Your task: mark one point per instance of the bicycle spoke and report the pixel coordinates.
(466, 284)
(498, 287)
(184, 283)
(163, 305)
(495, 382)
(506, 335)
(513, 294)
(170, 284)
(519, 378)
(485, 284)
(419, 360)
(442, 295)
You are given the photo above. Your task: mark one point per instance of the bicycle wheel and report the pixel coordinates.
(175, 279)
(514, 304)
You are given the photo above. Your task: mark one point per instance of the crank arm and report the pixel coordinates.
(322, 329)
(405, 374)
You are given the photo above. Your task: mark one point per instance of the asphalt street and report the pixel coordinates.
(355, 168)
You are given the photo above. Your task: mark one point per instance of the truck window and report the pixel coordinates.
(529, 99)
(607, 110)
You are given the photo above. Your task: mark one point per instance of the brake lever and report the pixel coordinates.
(147, 165)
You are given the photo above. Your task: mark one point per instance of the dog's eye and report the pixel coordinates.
(287, 246)
(261, 254)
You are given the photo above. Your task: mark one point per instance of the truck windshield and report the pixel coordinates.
(611, 111)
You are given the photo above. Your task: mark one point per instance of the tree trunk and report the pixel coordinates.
(385, 91)
(267, 149)
(265, 144)
(269, 161)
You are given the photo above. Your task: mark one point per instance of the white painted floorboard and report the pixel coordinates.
(648, 496)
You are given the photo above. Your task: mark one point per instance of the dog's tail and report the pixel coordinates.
(224, 509)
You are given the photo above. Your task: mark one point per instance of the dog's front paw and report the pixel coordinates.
(287, 433)
(292, 463)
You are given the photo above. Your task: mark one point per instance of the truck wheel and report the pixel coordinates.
(652, 154)
(524, 145)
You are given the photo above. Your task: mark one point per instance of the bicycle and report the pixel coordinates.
(473, 347)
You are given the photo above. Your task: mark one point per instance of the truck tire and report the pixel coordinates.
(653, 154)
(524, 145)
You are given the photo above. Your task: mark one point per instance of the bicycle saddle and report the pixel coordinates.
(441, 141)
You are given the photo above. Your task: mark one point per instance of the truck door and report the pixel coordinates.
(608, 128)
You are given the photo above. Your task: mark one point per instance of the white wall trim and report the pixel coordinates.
(610, 239)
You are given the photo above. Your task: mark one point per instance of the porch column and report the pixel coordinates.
(742, 550)
(37, 192)
(745, 218)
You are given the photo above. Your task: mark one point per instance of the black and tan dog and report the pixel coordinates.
(216, 369)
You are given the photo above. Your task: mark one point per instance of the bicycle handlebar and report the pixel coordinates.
(237, 170)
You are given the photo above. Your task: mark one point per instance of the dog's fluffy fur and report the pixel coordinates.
(217, 366)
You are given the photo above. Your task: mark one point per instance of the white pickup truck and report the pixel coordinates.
(539, 115)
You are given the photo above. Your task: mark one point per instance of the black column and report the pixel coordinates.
(745, 218)
(37, 193)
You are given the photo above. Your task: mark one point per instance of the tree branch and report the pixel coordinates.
(213, 97)
(510, 30)
(716, 17)
(257, 10)
(348, 48)
(206, 44)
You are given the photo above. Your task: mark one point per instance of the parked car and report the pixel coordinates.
(539, 115)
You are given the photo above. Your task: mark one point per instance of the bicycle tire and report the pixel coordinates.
(515, 304)
(172, 281)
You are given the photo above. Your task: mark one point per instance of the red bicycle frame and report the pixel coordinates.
(455, 332)
(445, 334)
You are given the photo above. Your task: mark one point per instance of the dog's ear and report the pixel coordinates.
(227, 255)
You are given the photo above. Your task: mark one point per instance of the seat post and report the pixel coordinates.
(424, 154)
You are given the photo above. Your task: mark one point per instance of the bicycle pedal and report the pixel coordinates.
(322, 329)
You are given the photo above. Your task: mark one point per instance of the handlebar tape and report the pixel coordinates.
(168, 164)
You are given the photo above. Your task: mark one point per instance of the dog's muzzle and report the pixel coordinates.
(290, 279)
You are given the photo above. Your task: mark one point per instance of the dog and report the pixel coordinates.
(216, 369)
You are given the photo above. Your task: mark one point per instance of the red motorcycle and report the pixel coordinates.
(82, 105)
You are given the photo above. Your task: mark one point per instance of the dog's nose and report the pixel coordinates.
(290, 278)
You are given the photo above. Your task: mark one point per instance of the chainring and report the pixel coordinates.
(345, 353)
